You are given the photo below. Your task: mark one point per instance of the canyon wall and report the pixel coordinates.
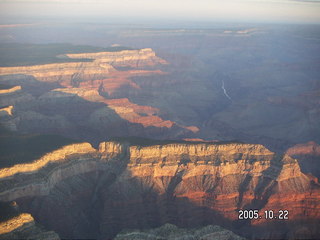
(133, 58)
(60, 71)
(23, 227)
(100, 67)
(76, 99)
(188, 184)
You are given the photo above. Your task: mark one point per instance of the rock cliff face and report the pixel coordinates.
(13, 95)
(10, 90)
(61, 71)
(6, 111)
(23, 227)
(123, 185)
(308, 155)
(100, 67)
(133, 58)
(309, 148)
(79, 99)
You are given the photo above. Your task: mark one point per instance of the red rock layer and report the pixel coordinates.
(309, 148)
(189, 184)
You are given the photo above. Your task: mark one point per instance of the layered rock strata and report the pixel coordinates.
(42, 106)
(23, 227)
(61, 71)
(100, 67)
(190, 184)
(133, 58)
(308, 155)
(12, 96)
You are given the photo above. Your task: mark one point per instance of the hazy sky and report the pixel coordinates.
(197, 10)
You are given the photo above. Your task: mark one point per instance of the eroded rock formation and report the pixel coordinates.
(23, 227)
(78, 99)
(133, 58)
(308, 155)
(101, 65)
(124, 185)
(172, 232)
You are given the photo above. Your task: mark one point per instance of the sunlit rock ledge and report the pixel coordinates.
(102, 64)
(38, 177)
(23, 227)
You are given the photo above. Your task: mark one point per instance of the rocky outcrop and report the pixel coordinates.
(172, 232)
(6, 111)
(61, 71)
(79, 99)
(13, 96)
(309, 148)
(74, 72)
(58, 155)
(23, 227)
(16, 222)
(133, 113)
(40, 176)
(10, 90)
(117, 80)
(308, 155)
(133, 58)
(8, 100)
(190, 184)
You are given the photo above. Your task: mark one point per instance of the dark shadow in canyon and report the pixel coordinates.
(266, 184)
(73, 117)
(262, 192)
(81, 212)
(29, 83)
(100, 204)
(84, 206)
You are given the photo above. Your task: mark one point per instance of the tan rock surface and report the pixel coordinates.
(6, 111)
(16, 222)
(23, 227)
(133, 58)
(175, 180)
(10, 90)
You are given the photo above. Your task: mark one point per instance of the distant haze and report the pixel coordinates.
(302, 11)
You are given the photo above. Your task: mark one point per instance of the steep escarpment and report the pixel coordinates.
(8, 99)
(80, 99)
(13, 95)
(84, 112)
(23, 227)
(17, 225)
(60, 71)
(132, 58)
(308, 155)
(125, 185)
(101, 65)
(220, 179)
(40, 176)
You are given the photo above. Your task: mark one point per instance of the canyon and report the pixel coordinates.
(50, 98)
(165, 142)
(124, 185)
(137, 93)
